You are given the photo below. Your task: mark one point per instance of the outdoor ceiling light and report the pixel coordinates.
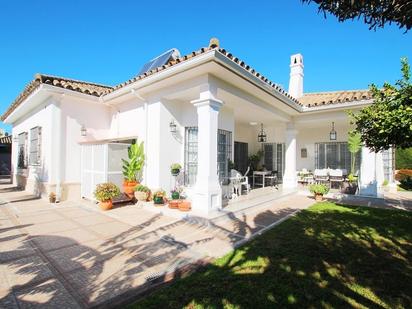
(261, 135)
(173, 127)
(83, 131)
(332, 133)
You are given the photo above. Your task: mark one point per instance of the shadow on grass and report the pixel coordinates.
(327, 256)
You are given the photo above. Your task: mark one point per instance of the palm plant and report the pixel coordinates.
(135, 163)
(354, 146)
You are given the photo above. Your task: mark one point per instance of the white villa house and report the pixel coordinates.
(200, 110)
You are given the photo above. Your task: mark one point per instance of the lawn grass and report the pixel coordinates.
(325, 257)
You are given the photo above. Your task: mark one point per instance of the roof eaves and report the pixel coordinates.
(87, 88)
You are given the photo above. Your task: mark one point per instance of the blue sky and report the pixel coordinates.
(108, 41)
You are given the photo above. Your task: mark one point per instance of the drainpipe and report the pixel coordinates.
(146, 114)
(57, 134)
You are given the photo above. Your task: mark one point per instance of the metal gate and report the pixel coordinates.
(101, 163)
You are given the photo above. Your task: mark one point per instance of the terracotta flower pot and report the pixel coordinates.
(185, 206)
(175, 204)
(140, 196)
(318, 197)
(128, 188)
(106, 205)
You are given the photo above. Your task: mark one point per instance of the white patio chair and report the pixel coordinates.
(272, 179)
(336, 176)
(239, 181)
(236, 180)
(321, 176)
(245, 180)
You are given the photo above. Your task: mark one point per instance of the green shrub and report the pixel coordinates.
(406, 184)
(106, 191)
(319, 189)
(403, 158)
(405, 179)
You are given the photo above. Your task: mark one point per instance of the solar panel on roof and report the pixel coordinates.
(160, 60)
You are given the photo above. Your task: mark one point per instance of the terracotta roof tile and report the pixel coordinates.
(66, 83)
(200, 52)
(334, 97)
(310, 99)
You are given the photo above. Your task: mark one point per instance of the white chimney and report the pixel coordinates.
(296, 76)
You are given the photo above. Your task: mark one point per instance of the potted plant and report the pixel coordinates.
(175, 193)
(319, 190)
(132, 167)
(159, 197)
(175, 169)
(52, 197)
(352, 184)
(354, 146)
(141, 193)
(104, 193)
(254, 160)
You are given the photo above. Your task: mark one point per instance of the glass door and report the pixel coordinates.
(224, 154)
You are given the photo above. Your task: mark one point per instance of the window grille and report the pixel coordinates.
(22, 150)
(35, 146)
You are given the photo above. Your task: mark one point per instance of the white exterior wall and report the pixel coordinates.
(171, 145)
(75, 114)
(307, 138)
(40, 116)
(128, 120)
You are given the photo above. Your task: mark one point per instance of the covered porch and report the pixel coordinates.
(227, 133)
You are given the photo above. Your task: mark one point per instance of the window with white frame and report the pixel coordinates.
(335, 156)
(224, 154)
(22, 151)
(35, 146)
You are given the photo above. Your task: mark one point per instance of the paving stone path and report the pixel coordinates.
(72, 255)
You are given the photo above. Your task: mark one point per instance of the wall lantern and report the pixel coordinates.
(332, 133)
(173, 127)
(261, 135)
(83, 131)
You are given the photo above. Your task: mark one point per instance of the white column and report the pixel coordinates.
(289, 178)
(208, 193)
(368, 173)
(393, 188)
(380, 173)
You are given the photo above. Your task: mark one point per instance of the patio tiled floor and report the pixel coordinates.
(72, 255)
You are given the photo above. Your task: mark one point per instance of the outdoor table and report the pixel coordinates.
(262, 174)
